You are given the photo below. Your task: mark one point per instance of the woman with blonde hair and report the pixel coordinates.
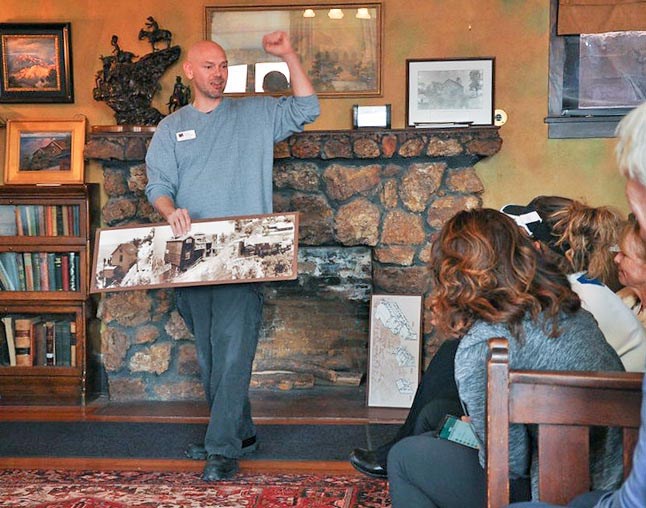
(489, 280)
(581, 240)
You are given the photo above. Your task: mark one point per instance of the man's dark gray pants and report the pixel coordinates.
(225, 321)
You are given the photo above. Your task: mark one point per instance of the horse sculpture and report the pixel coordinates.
(156, 35)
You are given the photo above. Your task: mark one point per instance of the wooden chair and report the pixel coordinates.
(563, 405)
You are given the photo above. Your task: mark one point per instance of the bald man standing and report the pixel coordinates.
(210, 159)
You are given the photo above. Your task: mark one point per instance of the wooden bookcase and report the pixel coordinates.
(52, 231)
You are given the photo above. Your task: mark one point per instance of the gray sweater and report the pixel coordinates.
(581, 346)
(220, 164)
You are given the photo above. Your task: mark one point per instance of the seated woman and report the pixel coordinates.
(580, 240)
(631, 261)
(489, 280)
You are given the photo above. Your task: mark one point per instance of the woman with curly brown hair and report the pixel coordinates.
(489, 281)
(581, 241)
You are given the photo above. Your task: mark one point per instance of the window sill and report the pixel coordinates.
(578, 127)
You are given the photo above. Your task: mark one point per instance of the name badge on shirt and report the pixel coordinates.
(185, 135)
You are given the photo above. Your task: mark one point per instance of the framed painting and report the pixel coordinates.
(340, 46)
(220, 251)
(36, 63)
(46, 152)
(451, 92)
(395, 347)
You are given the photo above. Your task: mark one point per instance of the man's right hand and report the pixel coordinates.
(179, 221)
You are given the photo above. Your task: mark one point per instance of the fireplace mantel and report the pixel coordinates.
(365, 143)
(388, 189)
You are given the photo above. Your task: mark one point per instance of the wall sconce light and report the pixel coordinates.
(309, 13)
(362, 13)
(335, 14)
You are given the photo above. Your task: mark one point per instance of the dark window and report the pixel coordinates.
(595, 79)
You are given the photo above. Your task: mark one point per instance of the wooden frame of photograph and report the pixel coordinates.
(450, 91)
(47, 152)
(319, 33)
(253, 248)
(36, 63)
(395, 350)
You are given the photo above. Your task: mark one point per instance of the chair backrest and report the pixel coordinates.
(563, 405)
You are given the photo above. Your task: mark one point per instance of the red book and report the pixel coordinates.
(65, 269)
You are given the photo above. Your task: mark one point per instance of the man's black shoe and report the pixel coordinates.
(219, 467)
(196, 451)
(366, 462)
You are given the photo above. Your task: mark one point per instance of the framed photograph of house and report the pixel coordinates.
(35, 63)
(340, 46)
(220, 251)
(46, 152)
(450, 92)
(394, 350)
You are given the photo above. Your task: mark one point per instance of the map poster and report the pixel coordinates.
(394, 362)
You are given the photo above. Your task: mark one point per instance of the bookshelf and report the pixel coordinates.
(45, 241)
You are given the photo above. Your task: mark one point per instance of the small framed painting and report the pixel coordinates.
(35, 63)
(46, 152)
(220, 251)
(450, 92)
(395, 347)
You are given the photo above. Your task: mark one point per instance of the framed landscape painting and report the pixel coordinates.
(339, 44)
(394, 350)
(35, 63)
(220, 251)
(46, 152)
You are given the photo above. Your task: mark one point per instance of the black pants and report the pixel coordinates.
(428, 472)
(436, 396)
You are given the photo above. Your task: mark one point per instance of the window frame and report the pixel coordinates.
(572, 124)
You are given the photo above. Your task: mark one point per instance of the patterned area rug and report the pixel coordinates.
(121, 489)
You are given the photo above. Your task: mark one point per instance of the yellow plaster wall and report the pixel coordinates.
(514, 31)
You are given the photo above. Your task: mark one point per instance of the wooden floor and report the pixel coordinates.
(179, 465)
(320, 406)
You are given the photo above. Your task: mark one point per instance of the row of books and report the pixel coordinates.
(40, 271)
(37, 341)
(39, 220)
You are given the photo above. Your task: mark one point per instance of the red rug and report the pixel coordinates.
(121, 489)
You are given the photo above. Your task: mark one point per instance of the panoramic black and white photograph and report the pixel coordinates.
(224, 251)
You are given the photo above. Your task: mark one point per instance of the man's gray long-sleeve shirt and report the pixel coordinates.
(220, 164)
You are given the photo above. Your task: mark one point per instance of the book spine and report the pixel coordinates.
(11, 343)
(40, 229)
(19, 224)
(51, 269)
(24, 343)
(40, 353)
(44, 272)
(73, 272)
(65, 271)
(58, 271)
(35, 263)
(22, 286)
(29, 271)
(73, 343)
(50, 351)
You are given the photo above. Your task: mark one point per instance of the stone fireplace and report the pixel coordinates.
(370, 203)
